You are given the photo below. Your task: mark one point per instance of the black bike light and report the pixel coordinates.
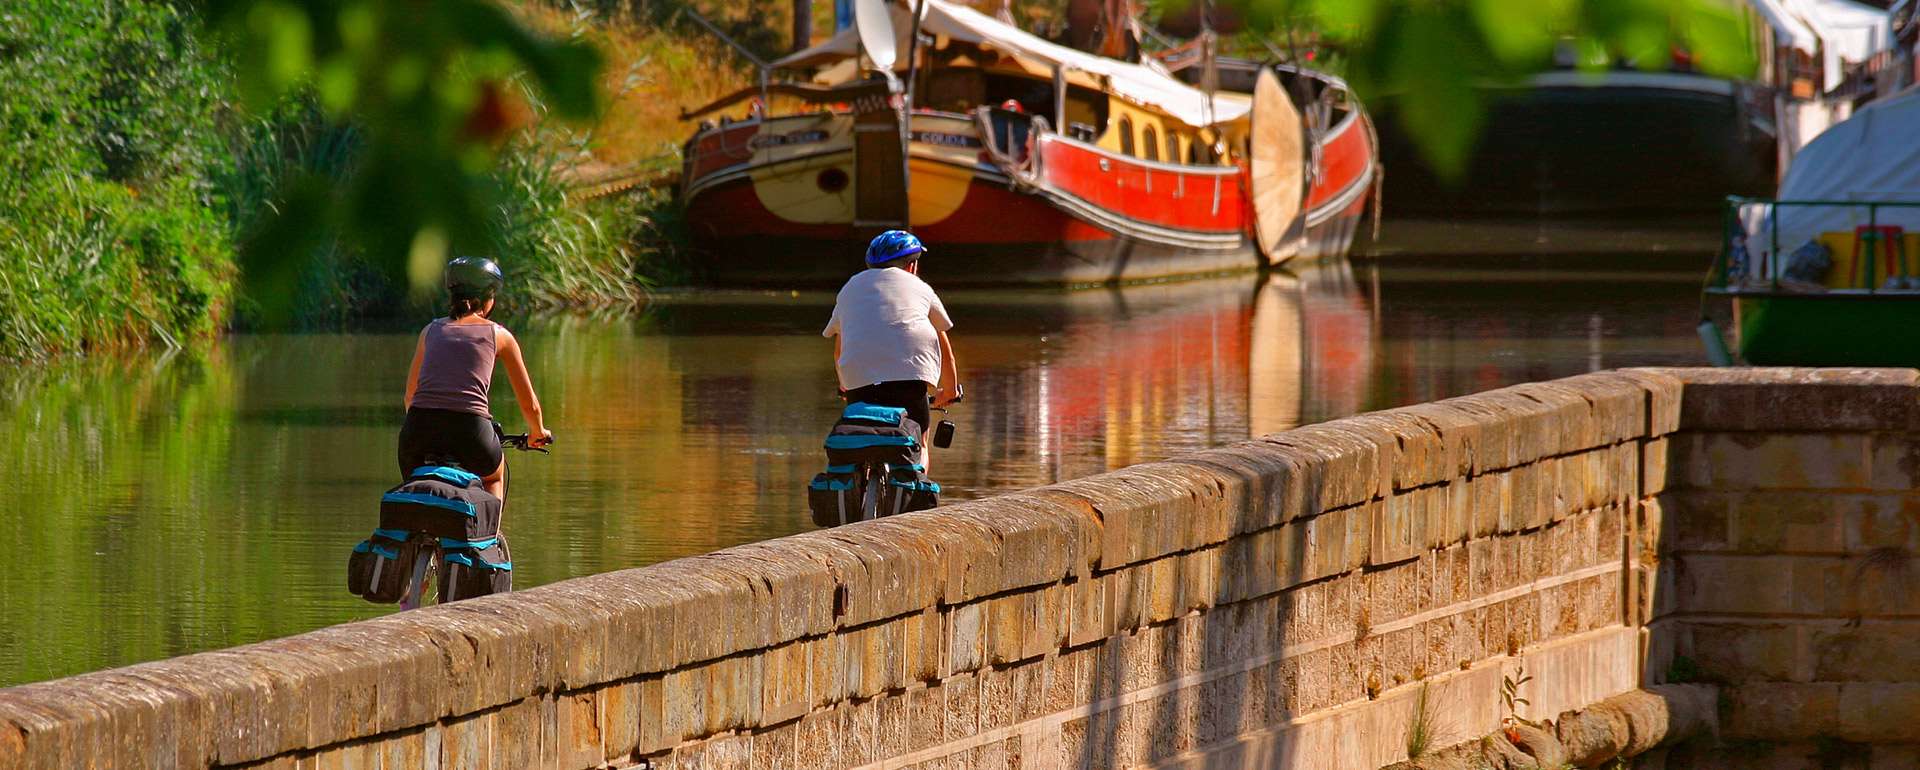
(943, 434)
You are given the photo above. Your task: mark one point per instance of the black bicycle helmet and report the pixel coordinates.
(474, 277)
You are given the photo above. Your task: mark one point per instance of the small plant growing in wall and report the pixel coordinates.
(1420, 732)
(1510, 695)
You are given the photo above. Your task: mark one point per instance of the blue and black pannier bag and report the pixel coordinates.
(470, 568)
(378, 569)
(908, 489)
(867, 433)
(834, 496)
(441, 501)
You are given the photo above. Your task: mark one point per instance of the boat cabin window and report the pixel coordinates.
(1173, 148)
(954, 89)
(1126, 136)
(1035, 97)
(1150, 142)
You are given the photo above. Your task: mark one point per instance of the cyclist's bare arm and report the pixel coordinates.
(949, 374)
(413, 372)
(509, 348)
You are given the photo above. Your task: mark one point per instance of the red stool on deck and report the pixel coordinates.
(1890, 240)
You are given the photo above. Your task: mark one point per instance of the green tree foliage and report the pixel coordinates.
(423, 79)
(1428, 57)
(108, 231)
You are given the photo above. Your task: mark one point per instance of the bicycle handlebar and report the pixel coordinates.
(522, 442)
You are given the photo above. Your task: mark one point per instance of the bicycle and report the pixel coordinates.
(881, 486)
(427, 562)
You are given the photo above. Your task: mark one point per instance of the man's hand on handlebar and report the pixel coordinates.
(948, 394)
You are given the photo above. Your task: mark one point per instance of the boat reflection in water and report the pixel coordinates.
(1071, 384)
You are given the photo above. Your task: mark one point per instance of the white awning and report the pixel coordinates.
(1870, 157)
(1145, 84)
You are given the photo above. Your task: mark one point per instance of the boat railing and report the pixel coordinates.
(1009, 138)
(1740, 266)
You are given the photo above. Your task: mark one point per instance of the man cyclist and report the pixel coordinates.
(890, 334)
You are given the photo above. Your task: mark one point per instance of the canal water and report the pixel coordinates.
(162, 505)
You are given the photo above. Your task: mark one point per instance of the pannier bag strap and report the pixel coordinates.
(917, 486)
(858, 441)
(458, 476)
(367, 546)
(476, 561)
(831, 485)
(450, 543)
(394, 534)
(865, 412)
(847, 468)
(457, 506)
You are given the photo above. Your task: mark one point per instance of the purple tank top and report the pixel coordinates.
(456, 368)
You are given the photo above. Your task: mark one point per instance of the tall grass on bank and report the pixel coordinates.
(110, 234)
(564, 252)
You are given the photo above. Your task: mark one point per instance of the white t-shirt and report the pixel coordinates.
(889, 322)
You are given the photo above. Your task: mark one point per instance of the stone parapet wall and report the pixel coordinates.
(1786, 554)
(1291, 601)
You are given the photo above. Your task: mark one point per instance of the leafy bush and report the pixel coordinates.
(110, 231)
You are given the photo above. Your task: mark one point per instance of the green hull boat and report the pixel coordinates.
(1836, 328)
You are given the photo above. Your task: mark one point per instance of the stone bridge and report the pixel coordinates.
(1336, 596)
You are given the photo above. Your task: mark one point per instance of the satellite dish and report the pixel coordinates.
(875, 25)
(1276, 171)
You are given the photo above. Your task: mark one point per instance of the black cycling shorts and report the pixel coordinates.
(910, 395)
(470, 439)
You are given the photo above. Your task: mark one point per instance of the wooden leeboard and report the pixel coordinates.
(1277, 167)
(879, 169)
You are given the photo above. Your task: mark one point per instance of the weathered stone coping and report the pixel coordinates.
(755, 637)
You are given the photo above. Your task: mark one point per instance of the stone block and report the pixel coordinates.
(1455, 522)
(1654, 472)
(467, 742)
(1568, 412)
(1620, 405)
(1744, 652)
(1392, 593)
(1260, 485)
(1691, 520)
(1883, 521)
(1152, 510)
(1046, 620)
(1781, 711)
(684, 704)
(1156, 586)
(618, 711)
(966, 635)
(1416, 451)
(525, 733)
(1006, 626)
(1791, 522)
(1718, 584)
(1459, 434)
(820, 740)
(1198, 579)
(1663, 393)
(1775, 460)
(1339, 468)
(783, 688)
(1872, 651)
(581, 735)
(892, 733)
(926, 716)
(1399, 530)
(1880, 712)
(775, 749)
(654, 734)
(1742, 399)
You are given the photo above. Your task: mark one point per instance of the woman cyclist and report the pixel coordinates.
(447, 410)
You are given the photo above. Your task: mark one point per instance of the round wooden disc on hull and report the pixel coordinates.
(1275, 173)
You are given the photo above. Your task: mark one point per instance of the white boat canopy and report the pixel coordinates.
(1870, 157)
(1149, 85)
(1839, 31)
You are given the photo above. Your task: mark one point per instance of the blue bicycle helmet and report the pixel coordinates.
(892, 245)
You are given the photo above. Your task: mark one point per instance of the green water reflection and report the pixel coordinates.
(164, 505)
